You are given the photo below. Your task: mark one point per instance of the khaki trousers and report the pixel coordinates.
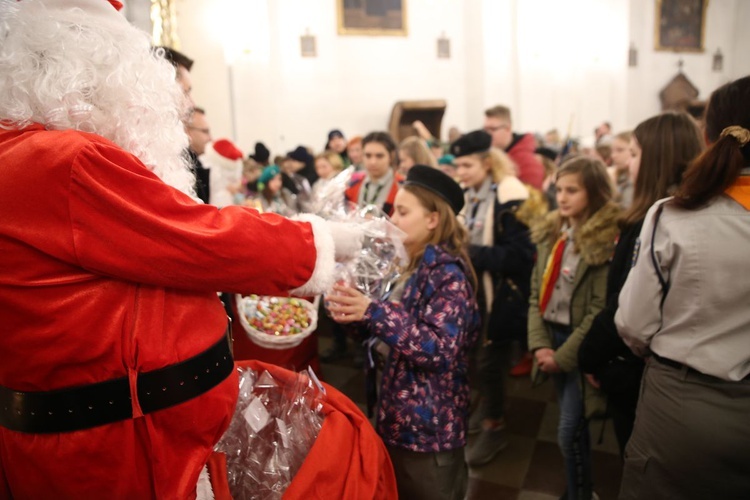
(691, 438)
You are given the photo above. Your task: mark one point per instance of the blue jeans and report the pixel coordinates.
(572, 430)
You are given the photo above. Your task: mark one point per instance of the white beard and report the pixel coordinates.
(73, 69)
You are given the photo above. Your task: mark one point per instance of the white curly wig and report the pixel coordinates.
(78, 64)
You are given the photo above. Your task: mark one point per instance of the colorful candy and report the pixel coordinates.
(277, 316)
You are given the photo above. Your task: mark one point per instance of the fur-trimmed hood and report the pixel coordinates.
(533, 210)
(595, 240)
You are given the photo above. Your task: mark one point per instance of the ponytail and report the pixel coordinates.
(715, 170)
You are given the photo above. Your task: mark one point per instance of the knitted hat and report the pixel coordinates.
(478, 141)
(300, 154)
(439, 183)
(335, 133)
(268, 173)
(446, 160)
(262, 154)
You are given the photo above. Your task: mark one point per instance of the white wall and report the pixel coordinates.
(726, 28)
(556, 64)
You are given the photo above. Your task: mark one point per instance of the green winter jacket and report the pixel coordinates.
(595, 242)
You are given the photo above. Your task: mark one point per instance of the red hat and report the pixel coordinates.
(227, 149)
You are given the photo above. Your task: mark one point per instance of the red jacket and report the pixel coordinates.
(352, 193)
(107, 272)
(530, 169)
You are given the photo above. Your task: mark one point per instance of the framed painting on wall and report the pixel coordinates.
(680, 25)
(371, 17)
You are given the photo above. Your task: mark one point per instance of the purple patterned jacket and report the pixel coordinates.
(424, 394)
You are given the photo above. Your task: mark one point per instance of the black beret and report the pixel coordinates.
(439, 183)
(473, 142)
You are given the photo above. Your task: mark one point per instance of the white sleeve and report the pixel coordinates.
(639, 312)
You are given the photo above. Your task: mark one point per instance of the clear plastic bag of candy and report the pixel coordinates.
(377, 267)
(274, 426)
(329, 202)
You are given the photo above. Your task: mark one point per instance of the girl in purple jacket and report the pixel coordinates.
(429, 325)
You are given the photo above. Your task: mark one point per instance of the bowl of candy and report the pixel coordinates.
(277, 322)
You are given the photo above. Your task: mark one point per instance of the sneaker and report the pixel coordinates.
(523, 367)
(487, 446)
(333, 354)
(475, 422)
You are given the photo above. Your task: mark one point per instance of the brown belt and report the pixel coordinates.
(92, 405)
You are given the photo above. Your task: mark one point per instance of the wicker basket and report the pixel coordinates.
(277, 341)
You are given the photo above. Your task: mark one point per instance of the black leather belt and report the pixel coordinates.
(88, 406)
(679, 366)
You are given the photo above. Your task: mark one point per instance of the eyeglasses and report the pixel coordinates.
(204, 130)
(492, 130)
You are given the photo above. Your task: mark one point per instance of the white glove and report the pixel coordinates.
(347, 239)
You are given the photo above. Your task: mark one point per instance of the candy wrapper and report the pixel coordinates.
(273, 428)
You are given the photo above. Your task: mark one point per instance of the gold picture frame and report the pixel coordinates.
(372, 17)
(680, 25)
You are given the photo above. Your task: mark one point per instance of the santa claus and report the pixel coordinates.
(115, 376)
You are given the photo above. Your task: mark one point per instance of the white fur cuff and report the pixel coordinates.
(322, 276)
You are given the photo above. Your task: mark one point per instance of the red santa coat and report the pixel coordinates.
(107, 272)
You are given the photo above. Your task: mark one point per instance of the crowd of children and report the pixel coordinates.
(499, 270)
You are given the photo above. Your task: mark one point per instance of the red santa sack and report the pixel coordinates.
(348, 459)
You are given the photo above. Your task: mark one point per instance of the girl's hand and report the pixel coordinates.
(550, 365)
(545, 358)
(542, 354)
(592, 380)
(347, 304)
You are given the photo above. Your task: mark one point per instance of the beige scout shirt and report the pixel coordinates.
(705, 320)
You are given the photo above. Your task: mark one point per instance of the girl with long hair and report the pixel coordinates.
(429, 323)
(568, 288)
(661, 149)
(684, 305)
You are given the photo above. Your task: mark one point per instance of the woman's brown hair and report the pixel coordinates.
(720, 165)
(668, 142)
(449, 233)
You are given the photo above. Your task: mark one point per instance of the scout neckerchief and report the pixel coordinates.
(552, 272)
(739, 191)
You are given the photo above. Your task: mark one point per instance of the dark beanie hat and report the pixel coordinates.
(300, 154)
(262, 154)
(335, 133)
(473, 142)
(548, 153)
(439, 183)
